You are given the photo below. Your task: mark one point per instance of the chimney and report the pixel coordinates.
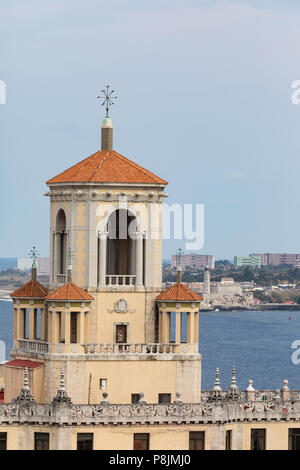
(107, 134)
(69, 274)
(179, 273)
(33, 273)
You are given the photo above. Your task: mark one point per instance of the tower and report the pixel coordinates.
(107, 322)
(206, 286)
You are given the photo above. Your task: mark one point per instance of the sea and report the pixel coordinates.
(8, 263)
(258, 344)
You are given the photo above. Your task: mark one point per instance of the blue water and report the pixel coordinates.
(257, 343)
(8, 263)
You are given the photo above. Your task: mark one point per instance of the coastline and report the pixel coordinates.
(4, 295)
(256, 308)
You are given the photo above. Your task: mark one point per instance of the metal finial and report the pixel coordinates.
(107, 98)
(33, 254)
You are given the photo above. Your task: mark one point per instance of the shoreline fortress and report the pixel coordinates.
(104, 358)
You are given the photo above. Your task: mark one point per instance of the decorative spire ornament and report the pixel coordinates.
(107, 98)
(33, 254)
(233, 393)
(62, 395)
(216, 392)
(25, 396)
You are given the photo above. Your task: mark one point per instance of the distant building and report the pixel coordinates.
(275, 259)
(24, 264)
(194, 261)
(251, 260)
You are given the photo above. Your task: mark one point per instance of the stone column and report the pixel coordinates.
(139, 259)
(102, 258)
(178, 328)
(190, 327)
(43, 324)
(67, 327)
(165, 337)
(81, 327)
(15, 324)
(160, 327)
(57, 256)
(31, 323)
(196, 327)
(53, 327)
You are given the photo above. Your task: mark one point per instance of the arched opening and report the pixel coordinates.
(121, 249)
(60, 248)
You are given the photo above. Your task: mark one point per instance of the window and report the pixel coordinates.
(197, 440)
(294, 439)
(73, 327)
(141, 441)
(3, 440)
(103, 384)
(183, 332)
(164, 398)
(41, 441)
(135, 398)
(228, 440)
(258, 439)
(172, 327)
(85, 441)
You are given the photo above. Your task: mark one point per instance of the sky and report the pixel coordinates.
(204, 101)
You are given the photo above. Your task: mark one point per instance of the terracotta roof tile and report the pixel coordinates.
(107, 166)
(69, 292)
(24, 363)
(179, 292)
(31, 289)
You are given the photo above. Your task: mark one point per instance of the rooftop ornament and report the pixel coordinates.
(107, 98)
(216, 393)
(33, 254)
(62, 395)
(25, 396)
(233, 393)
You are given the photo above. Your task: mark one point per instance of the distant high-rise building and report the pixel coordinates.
(42, 264)
(252, 261)
(276, 259)
(194, 261)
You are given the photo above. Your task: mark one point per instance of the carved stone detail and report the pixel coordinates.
(121, 306)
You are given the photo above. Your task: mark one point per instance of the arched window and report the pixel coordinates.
(121, 243)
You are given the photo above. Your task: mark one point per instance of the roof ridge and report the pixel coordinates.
(101, 161)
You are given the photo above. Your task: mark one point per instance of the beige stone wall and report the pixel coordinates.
(124, 377)
(14, 379)
(166, 437)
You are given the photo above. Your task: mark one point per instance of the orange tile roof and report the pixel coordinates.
(179, 292)
(24, 363)
(32, 289)
(107, 166)
(69, 292)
